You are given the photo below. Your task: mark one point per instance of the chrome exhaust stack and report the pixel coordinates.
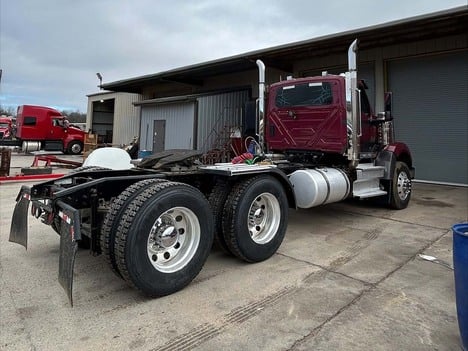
(353, 108)
(261, 106)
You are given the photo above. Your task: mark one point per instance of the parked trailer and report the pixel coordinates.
(317, 142)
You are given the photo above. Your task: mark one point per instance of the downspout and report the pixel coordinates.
(353, 108)
(261, 106)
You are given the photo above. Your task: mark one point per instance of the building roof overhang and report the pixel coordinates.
(429, 26)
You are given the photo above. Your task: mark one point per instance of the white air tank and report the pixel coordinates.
(314, 187)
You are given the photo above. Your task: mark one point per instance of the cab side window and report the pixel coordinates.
(57, 122)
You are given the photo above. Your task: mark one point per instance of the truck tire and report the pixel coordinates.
(75, 147)
(164, 238)
(400, 194)
(112, 219)
(255, 218)
(217, 198)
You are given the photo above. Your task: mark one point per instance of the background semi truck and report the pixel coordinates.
(317, 142)
(6, 127)
(39, 127)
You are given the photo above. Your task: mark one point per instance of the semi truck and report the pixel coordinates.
(6, 127)
(317, 142)
(40, 127)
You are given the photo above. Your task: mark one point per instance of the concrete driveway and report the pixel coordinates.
(347, 277)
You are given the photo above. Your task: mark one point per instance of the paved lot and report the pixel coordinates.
(347, 277)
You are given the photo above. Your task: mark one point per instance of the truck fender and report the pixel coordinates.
(389, 156)
(288, 187)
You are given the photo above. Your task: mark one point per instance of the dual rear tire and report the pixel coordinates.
(158, 234)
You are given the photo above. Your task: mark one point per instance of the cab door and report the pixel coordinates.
(57, 128)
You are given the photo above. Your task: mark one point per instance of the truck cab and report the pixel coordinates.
(308, 116)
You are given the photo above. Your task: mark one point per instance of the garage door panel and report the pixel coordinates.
(430, 97)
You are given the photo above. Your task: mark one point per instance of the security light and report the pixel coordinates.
(100, 80)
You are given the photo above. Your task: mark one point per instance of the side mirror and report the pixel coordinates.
(387, 114)
(388, 101)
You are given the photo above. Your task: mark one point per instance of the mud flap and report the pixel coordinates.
(69, 234)
(19, 221)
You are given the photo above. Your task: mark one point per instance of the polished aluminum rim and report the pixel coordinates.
(173, 239)
(264, 218)
(76, 148)
(403, 186)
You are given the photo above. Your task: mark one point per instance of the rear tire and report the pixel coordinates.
(255, 218)
(112, 219)
(164, 238)
(401, 187)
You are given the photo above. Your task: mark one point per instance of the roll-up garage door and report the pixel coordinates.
(430, 101)
(167, 126)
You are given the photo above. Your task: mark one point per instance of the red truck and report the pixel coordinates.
(48, 129)
(6, 127)
(317, 142)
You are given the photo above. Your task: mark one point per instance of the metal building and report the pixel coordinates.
(191, 122)
(422, 59)
(113, 116)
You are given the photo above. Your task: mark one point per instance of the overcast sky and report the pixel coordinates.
(50, 50)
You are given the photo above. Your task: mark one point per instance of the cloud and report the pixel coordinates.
(52, 49)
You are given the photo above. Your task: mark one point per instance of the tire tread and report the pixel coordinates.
(113, 217)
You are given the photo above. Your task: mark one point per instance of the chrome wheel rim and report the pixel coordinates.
(76, 148)
(173, 239)
(403, 186)
(264, 218)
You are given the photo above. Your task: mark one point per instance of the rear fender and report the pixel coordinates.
(288, 187)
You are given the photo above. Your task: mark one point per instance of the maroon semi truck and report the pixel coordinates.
(317, 142)
(39, 127)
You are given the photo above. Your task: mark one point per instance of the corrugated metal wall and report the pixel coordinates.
(217, 114)
(213, 119)
(179, 117)
(126, 118)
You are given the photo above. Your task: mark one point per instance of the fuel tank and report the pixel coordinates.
(319, 186)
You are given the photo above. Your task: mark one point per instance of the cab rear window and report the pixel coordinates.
(304, 94)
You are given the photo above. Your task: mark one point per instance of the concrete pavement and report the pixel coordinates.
(347, 277)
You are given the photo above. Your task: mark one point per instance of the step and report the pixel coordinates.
(369, 193)
(369, 171)
(367, 183)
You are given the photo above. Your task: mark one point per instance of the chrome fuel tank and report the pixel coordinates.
(314, 187)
